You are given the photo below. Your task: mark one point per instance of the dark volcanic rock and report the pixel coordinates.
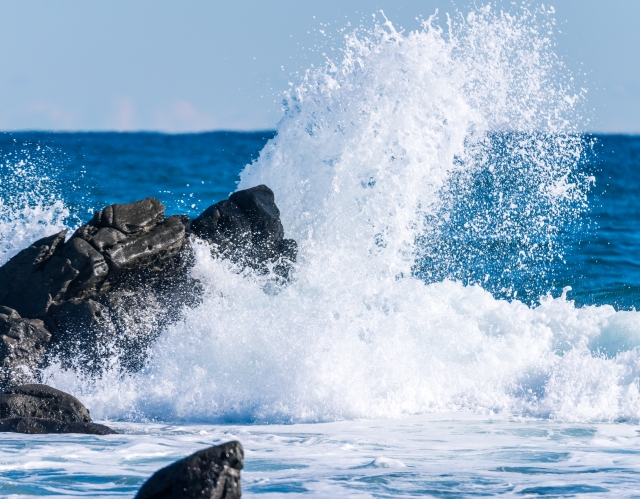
(132, 217)
(41, 409)
(24, 284)
(83, 334)
(247, 229)
(121, 278)
(260, 207)
(213, 473)
(22, 347)
(91, 265)
(38, 426)
(225, 225)
(42, 401)
(140, 250)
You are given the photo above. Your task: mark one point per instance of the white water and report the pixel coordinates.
(361, 160)
(361, 168)
(359, 164)
(444, 455)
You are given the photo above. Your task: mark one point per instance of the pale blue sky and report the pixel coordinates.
(197, 65)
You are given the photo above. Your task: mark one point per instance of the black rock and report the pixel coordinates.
(260, 207)
(41, 409)
(44, 402)
(91, 265)
(131, 217)
(38, 426)
(121, 278)
(247, 229)
(158, 244)
(24, 284)
(84, 334)
(22, 347)
(213, 473)
(226, 226)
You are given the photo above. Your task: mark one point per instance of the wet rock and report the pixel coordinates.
(90, 264)
(259, 205)
(105, 238)
(84, 334)
(23, 345)
(213, 473)
(25, 286)
(158, 244)
(43, 402)
(38, 426)
(121, 278)
(247, 229)
(131, 217)
(36, 408)
(225, 225)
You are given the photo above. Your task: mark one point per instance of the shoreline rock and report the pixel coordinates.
(213, 473)
(39, 409)
(110, 289)
(39, 426)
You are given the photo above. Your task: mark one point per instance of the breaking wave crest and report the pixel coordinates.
(426, 177)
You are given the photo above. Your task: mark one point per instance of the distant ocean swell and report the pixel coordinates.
(427, 177)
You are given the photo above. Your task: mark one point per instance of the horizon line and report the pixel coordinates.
(220, 130)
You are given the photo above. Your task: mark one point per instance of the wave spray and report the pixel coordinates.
(418, 173)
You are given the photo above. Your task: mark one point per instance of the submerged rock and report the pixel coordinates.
(36, 408)
(213, 473)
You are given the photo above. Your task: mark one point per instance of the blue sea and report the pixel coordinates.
(461, 320)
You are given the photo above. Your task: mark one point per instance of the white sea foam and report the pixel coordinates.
(359, 167)
(20, 228)
(29, 207)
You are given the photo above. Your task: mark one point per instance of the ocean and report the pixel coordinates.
(461, 320)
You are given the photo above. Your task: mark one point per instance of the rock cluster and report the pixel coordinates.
(213, 473)
(112, 286)
(41, 409)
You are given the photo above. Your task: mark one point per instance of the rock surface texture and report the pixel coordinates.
(212, 473)
(111, 287)
(247, 229)
(22, 346)
(38, 408)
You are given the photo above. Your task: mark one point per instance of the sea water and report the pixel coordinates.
(461, 319)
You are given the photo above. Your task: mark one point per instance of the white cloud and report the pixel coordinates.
(182, 116)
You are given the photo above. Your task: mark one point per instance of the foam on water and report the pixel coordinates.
(361, 168)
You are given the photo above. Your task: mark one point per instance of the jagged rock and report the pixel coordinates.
(38, 426)
(140, 250)
(84, 333)
(91, 265)
(259, 205)
(22, 347)
(131, 217)
(225, 225)
(24, 284)
(106, 238)
(121, 278)
(247, 229)
(213, 473)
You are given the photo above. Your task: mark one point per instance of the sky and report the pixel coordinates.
(180, 66)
